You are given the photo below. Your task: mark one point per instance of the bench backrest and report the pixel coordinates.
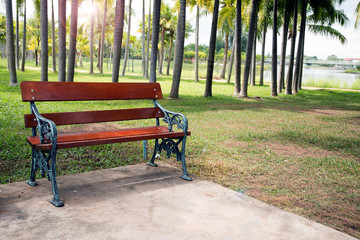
(83, 91)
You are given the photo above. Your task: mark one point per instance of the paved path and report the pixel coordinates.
(141, 202)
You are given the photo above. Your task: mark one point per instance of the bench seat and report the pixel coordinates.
(71, 140)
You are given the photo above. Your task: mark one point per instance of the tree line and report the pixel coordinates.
(232, 20)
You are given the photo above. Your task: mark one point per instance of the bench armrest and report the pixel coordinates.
(173, 118)
(46, 128)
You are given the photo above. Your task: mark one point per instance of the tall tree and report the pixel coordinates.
(44, 40)
(24, 41)
(10, 42)
(118, 34)
(274, 52)
(62, 40)
(155, 39)
(148, 44)
(127, 48)
(92, 38)
(211, 55)
(238, 48)
(165, 21)
(72, 44)
(289, 77)
(143, 40)
(253, 59)
(251, 36)
(53, 39)
(285, 29)
(17, 48)
(179, 50)
(103, 38)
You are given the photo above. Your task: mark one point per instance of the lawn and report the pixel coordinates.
(300, 153)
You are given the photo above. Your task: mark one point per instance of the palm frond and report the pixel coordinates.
(357, 11)
(327, 31)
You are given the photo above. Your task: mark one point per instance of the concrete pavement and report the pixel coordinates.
(142, 202)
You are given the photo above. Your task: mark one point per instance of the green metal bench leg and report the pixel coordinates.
(185, 175)
(156, 149)
(145, 144)
(56, 200)
(32, 182)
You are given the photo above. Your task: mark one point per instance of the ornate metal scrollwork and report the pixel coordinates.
(170, 146)
(173, 118)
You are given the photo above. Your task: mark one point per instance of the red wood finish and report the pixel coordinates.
(71, 140)
(68, 118)
(86, 91)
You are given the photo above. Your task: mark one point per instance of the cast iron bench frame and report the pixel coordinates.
(45, 140)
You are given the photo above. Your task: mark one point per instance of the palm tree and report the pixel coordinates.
(62, 40)
(357, 11)
(72, 44)
(53, 39)
(10, 42)
(118, 34)
(253, 58)
(264, 25)
(24, 41)
(211, 56)
(103, 37)
(148, 44)
(92, 38)
(19, 4)
(127, 49)
(251, 36)
(274, 52)
(179, 50)
(155, 39)
(289, 77)
(238, 48)
(172, 29)
(44, 40)
(286, 20)
(143, 40)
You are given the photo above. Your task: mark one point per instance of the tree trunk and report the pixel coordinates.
(162, 49)
(103, 39)
(24, 41)
(223, 69)
(148, 45)
(72, 45)
(143, 40)
(44, 40)
(169, 56)
(253, 65)
(17, 48)
(283, 51)
(252, 32)
(274, 52)
(263, 54)
(155, 39)
(292, 52)
(118, 34)
(62, 40)
(296, 81)
(10, 43)
(127, 48)
(197, 44)
(92, 39)
(231, 59)
(211, 55)
(179, 49)
(302, 62)
(238, 49)
(53, 40)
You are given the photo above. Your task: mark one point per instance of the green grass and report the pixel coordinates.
(300, 153)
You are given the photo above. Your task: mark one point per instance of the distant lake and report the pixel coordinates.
(325, 77)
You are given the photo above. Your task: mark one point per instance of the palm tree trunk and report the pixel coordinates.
(302, 61)
(148, 44)
(211, 55)
(44, 40)
(238, 29)
(231, 59)
(53, 40)
(17, 48)
(103, 38)
(263, 54)
(92, 39)
(118, 34)
(296, 81)
(274, 52)
(62, 40)
(72, 45)
(155, 39)
(283, 51)
(24, 41)
(170, 50)
(10, 43)
(252, 32)
(179, 49)
(253, 65)
(143, 40)
(223, 69)
(127, 49)
(162, 50)
(289, 77)
(197, 44)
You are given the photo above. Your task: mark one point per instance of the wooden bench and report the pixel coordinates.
(46, 140)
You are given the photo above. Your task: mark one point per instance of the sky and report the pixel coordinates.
(315, 45)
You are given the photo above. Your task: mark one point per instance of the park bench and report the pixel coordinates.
(46, 140)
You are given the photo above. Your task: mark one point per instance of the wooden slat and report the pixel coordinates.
(66, 118)
(85, 91)
(71, 140)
